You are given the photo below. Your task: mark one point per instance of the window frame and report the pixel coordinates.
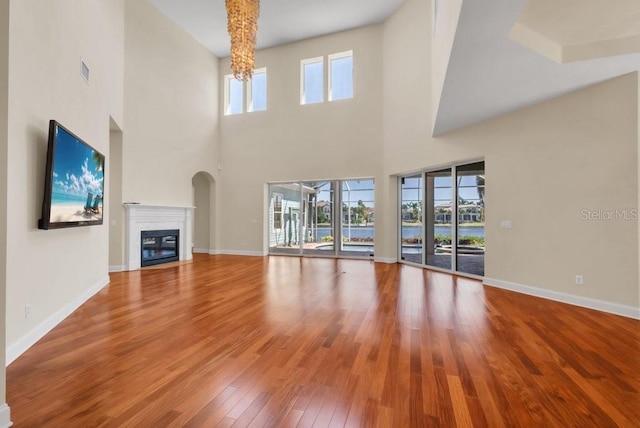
(303, 63)
(332, 57)
(249, 90)
(227, 95)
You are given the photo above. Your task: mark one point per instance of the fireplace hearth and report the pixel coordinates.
(159, 246)
(141, 217)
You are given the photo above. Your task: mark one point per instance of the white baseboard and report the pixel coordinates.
(117, 268)
(385, 260)
(5, 416)
(201, 251)
(229, 252)
(25, 342)
(242, 253)
(585, 302)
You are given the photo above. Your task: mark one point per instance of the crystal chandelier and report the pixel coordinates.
(242, 26)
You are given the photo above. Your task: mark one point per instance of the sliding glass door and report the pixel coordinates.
(321, 227)
(322, 218)
(285, 221)
(438, 225)
(357, 218)
(449, 234)
(411, 230)
(470, 219)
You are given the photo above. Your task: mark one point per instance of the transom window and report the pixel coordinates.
(233, 95)
(257, 91)
(339, 81)
(341, 76)
(255, 88)
(312, 80)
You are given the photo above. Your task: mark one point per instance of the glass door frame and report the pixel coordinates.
(454, 216)
(308, 252)
(304, 216)
(340, 202)
(423, 234)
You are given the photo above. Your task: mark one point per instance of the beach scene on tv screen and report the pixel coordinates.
(77, 182)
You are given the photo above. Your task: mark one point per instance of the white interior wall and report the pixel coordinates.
(54, 271)
(544, 165)
(4, 107)
(201, 215)
(171, 124)
(445, 25)
(407, 106)
(116, 210)
(289, 141)
(172, 86)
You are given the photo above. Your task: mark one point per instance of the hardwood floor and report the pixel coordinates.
(289, 342)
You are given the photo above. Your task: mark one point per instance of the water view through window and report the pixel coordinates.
(442, 218)
(330, 218)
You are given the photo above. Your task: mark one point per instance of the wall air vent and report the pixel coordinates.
(84, 70)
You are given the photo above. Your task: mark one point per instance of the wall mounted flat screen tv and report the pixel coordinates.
(74, 182)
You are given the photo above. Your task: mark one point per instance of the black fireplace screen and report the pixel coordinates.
(159, 246)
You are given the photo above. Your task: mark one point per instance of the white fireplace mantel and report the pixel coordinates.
(140, 217)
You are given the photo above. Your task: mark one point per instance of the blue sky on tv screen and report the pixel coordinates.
(76, 170)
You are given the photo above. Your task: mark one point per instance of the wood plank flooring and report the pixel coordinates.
(284, 342)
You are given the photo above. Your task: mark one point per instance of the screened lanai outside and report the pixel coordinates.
(321, 232)
(358, 218)
(287, 217)
(322, 218)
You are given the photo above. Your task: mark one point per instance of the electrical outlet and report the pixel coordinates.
(579, 280)
(27, 311)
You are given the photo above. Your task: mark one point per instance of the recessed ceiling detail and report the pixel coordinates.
(489, 74)
(578, 30)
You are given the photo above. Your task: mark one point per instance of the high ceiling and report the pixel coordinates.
(280, 22)
(506, 54)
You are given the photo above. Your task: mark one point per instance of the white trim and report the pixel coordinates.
(242, 253)
(117, 268)
(585, 302)
(201, 251)
(455, 221)
(5, 416)
(156, 217)
(385, 260)
(25, 342)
